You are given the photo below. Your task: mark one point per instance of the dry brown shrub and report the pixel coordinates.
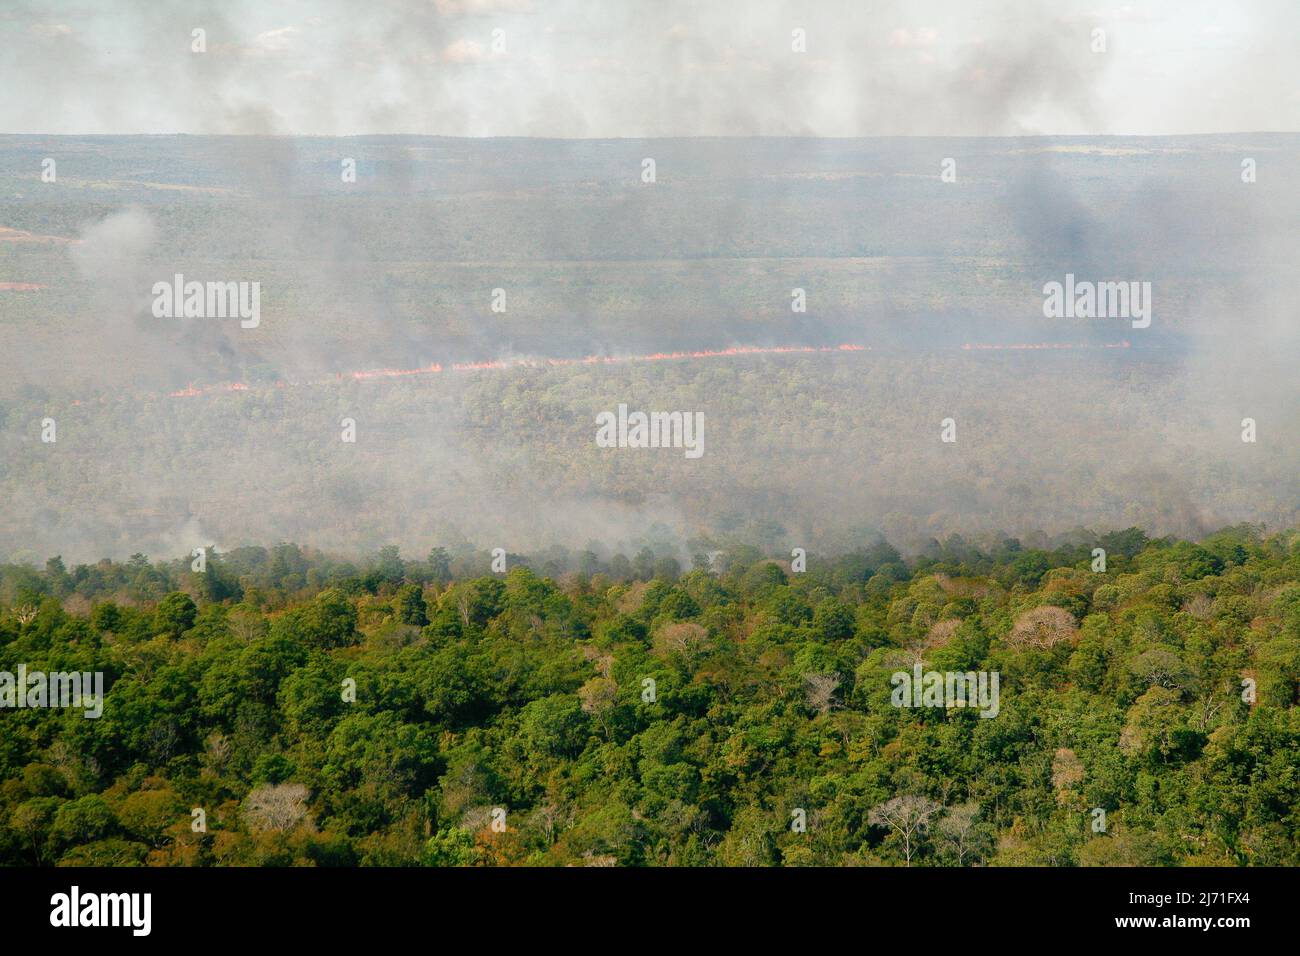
(819, 692)
(602, 660)
(941, 633)
(681, 637)
(280, 807)
(1067, 769)
(598, 695)
(632, 599)
(1043, 627)
(1199, 605)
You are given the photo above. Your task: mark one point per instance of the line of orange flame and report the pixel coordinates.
(435, 368)
(494, 365)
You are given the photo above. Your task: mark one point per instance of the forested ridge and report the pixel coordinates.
(581, 709)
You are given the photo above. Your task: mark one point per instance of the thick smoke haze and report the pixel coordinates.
(519, 167)
(634, 69)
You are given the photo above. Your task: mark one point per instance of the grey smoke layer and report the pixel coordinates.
(181, 431)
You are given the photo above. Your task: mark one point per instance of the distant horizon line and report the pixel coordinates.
(718, 136)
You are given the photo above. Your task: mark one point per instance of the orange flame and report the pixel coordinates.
(502, 364)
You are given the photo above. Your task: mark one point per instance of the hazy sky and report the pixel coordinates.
(609, 68)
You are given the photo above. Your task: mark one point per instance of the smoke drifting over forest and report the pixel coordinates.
(919, 184)
(566, 69)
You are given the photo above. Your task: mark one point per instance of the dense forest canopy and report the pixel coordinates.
(284, 707)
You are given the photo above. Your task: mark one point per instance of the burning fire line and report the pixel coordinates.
(498, 365)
